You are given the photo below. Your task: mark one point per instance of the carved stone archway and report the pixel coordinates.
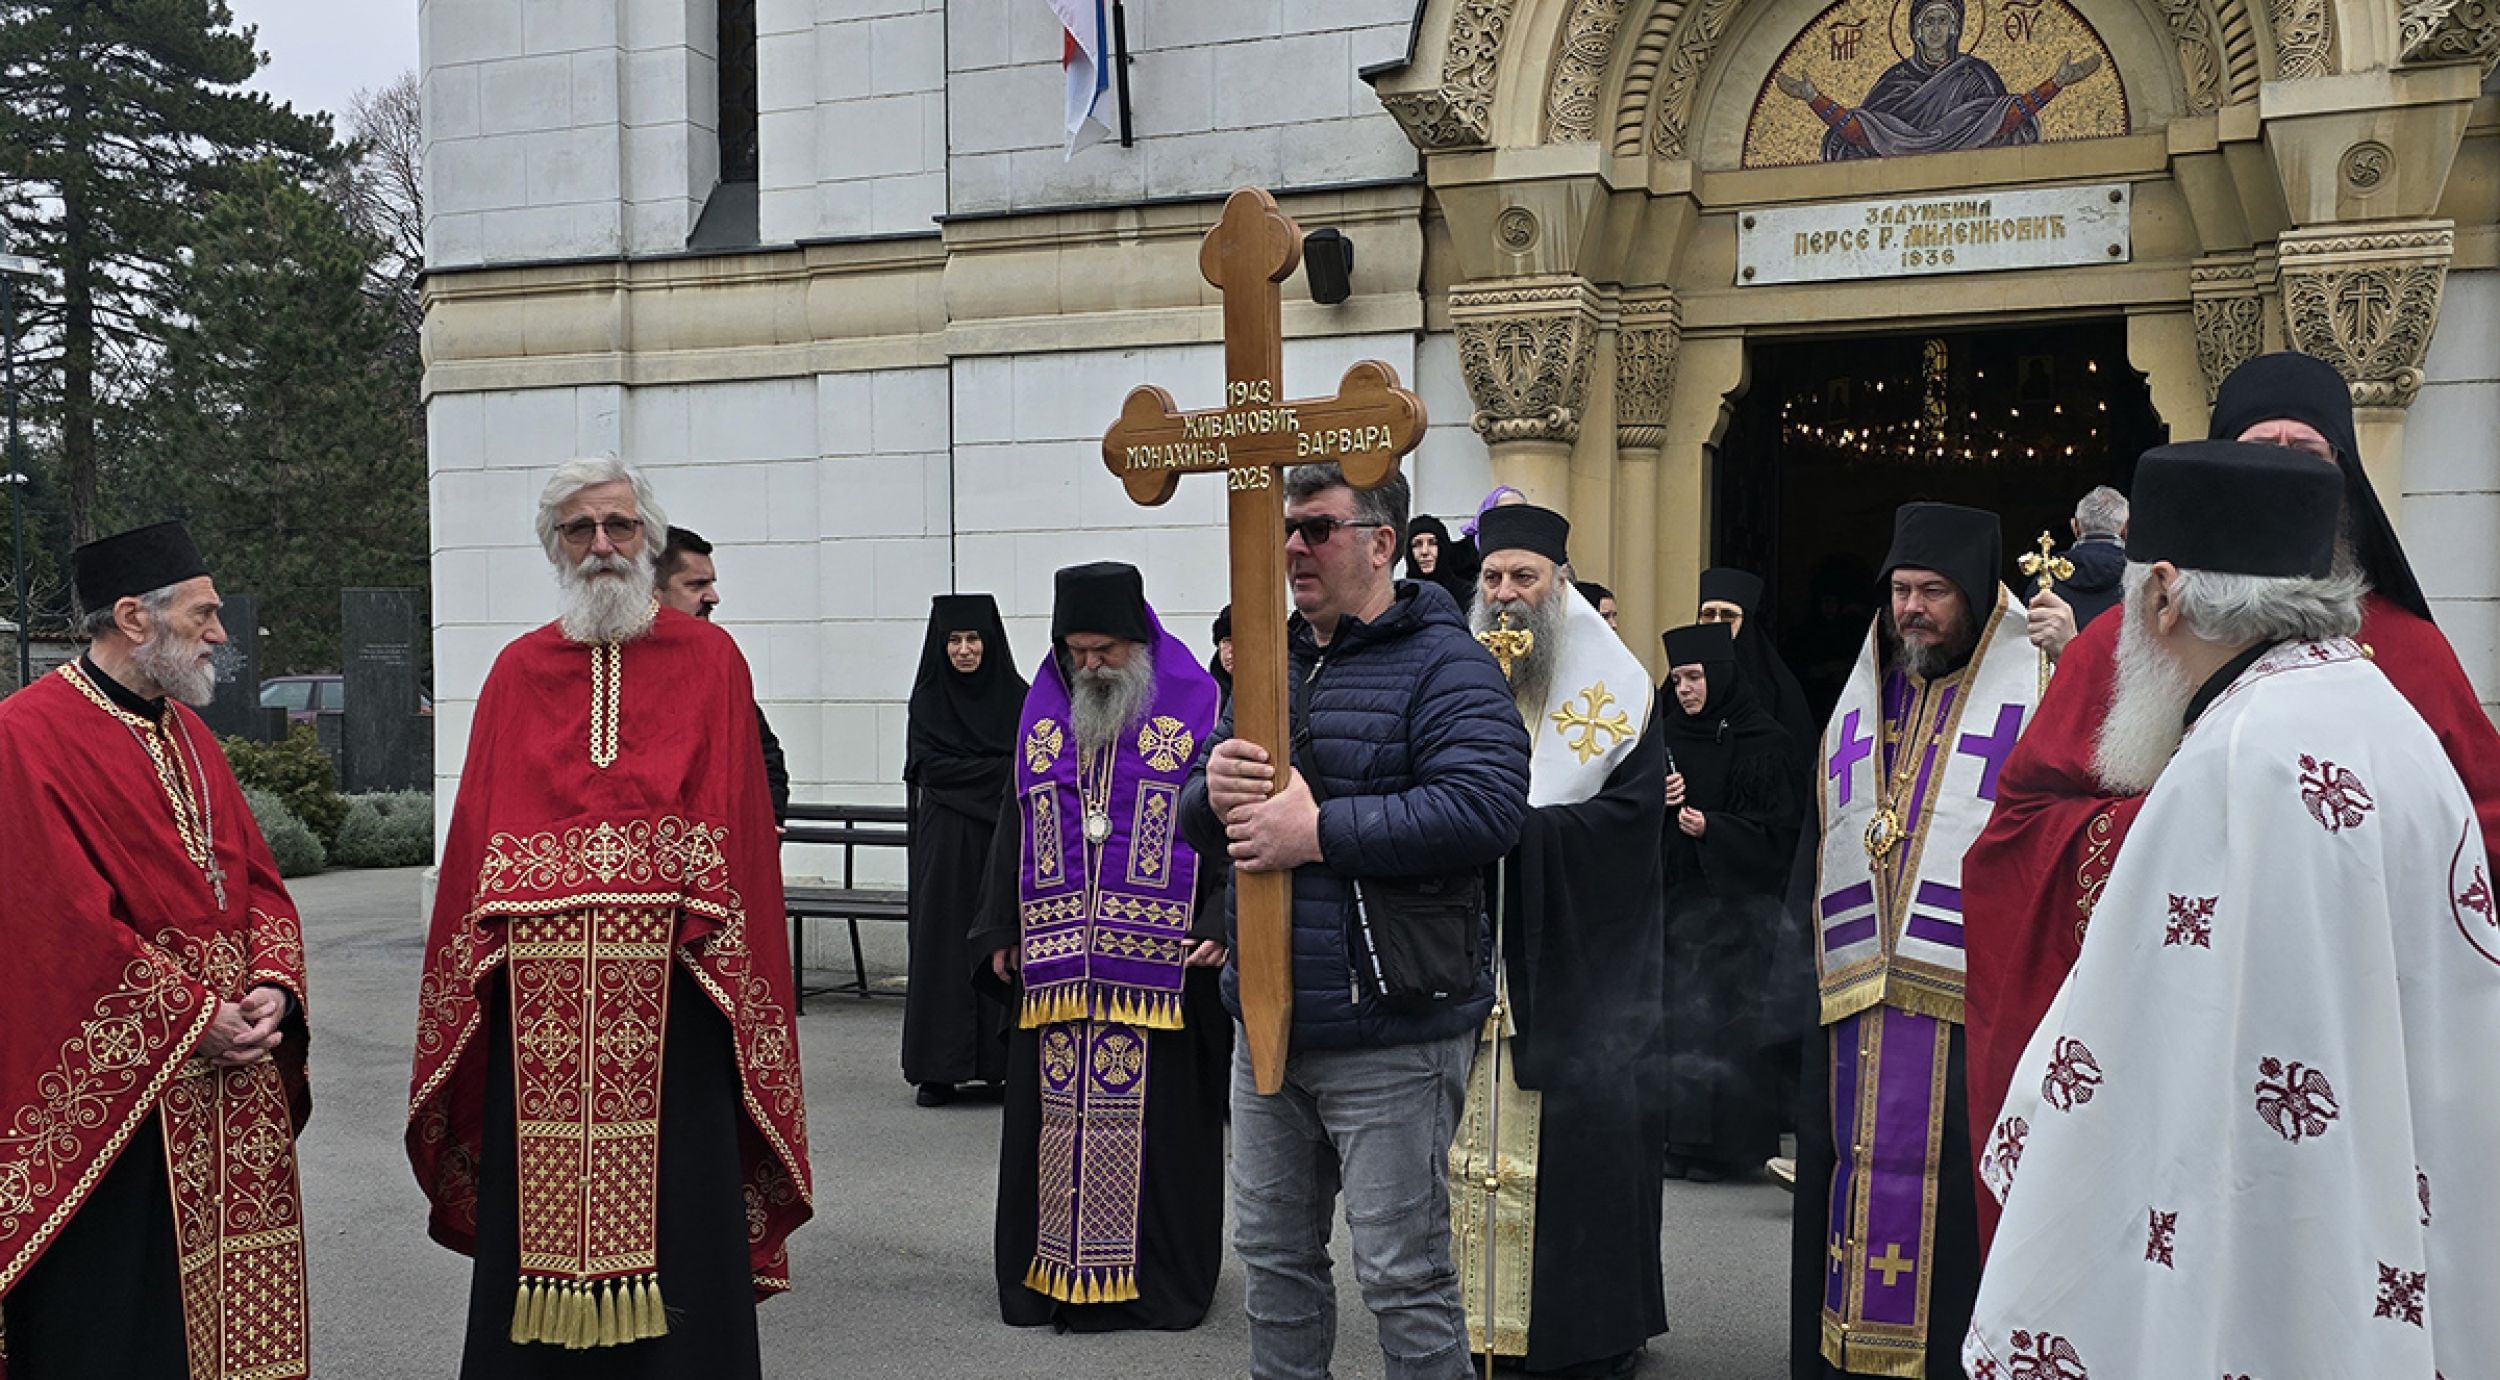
(1589, 225)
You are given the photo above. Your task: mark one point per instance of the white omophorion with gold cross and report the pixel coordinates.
(1599, 707)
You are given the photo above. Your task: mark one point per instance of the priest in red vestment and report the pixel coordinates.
(2039, 867)
(606, 1110)
(152, 1062)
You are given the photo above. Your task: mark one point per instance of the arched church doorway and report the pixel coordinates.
(1833, 433)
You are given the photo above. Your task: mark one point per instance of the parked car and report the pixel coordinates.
(305, 698)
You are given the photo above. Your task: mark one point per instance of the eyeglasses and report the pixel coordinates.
(1315, 531)
(620, 530)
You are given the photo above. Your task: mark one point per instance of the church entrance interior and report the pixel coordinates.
(1831, 434)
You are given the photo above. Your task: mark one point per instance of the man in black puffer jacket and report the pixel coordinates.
(1423, 767)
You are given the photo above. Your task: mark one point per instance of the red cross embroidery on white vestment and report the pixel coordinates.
(2044, 1356)
(2191, 922)
(2294, 1099)
(2162, 1234)
(2400, 1294)
(2336, 798)
(2074, 1075)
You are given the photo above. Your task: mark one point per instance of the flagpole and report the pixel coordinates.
(1119, 69)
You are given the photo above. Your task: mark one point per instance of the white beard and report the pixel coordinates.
(183, 669)
(606, 598)
(1102, 703)
(2147, 711)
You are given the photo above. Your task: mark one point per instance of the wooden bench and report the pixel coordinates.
(850, 827)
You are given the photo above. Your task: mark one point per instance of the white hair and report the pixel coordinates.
(2245, 610)
(2102, 512)
(95, 623)
(588, 472)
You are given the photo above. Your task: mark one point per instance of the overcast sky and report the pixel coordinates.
(323, 51)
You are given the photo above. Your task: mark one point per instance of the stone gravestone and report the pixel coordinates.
(380, 748)
(235, 713)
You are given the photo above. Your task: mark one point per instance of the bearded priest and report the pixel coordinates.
(1104, 931)
(606, 998)
(2252, 1134)
(1887, 1250)
(152, 1068)
(2048, 851)
(1566, 1108)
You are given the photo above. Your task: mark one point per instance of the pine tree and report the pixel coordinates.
(279, 426)
(119, 119)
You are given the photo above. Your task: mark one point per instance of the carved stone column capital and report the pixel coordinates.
(1457, 111)
(2429, 31)
(2365, 299)
(1647, 334)
(1527, 346)
(2230, 308)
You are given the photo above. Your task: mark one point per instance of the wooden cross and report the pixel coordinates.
(1364, 428)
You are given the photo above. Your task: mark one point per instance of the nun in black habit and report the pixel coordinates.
(964, 703)
(1731, 831)
(1758, 663)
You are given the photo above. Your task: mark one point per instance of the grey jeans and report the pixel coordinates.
(1374, 1124)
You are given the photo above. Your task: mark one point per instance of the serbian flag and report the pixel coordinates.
(1086, 60)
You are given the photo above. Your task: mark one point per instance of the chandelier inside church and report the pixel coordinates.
(1996, 409)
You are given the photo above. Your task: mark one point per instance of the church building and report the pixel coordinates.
(1723, 280)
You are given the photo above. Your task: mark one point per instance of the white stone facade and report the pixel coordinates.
(2451, 512)
(900, 391)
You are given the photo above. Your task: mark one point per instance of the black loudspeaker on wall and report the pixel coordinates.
(1328, 259)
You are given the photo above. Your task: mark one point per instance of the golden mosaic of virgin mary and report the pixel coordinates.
(1938, 99)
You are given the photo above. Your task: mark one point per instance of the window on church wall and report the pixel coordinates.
(737, 124)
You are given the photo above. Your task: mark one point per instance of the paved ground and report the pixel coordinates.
(893, 1276)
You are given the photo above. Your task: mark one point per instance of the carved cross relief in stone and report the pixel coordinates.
(1363, 428)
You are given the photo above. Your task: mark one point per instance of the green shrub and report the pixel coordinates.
(298, 772)
(386, 829)
(290, 840)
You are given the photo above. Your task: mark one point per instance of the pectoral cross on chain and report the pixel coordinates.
(1364, 428)
(1506, 643)
(217, 882)
(2050, 568)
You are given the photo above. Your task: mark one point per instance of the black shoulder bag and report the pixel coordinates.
(1421, 938)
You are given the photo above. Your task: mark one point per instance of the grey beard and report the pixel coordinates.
(1103, 702)
(599, 607)
(2147, 711)
(175, 665)
(1532, 675)
(1929, 661)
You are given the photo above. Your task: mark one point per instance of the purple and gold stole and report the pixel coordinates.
(1105, 923)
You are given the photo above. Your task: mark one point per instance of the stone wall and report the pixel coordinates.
(853, 117)
(1225, 93)
(2452, 477)
(565, 128)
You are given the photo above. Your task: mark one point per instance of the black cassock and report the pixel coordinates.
(1180, 1208)
(1584, 944)
(1725, 920)
(951, 1035)
(958, 751)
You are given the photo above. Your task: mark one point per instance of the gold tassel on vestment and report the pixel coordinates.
(1081, 1286)
(1145, 1010)
(579, 1314)
(1052, 1006)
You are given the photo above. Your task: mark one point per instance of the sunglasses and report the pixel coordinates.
(1315, 531)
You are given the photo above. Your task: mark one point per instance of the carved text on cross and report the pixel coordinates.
(1992, 749)
(1890, 1263)
(1364, 428)
(1854, 748)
